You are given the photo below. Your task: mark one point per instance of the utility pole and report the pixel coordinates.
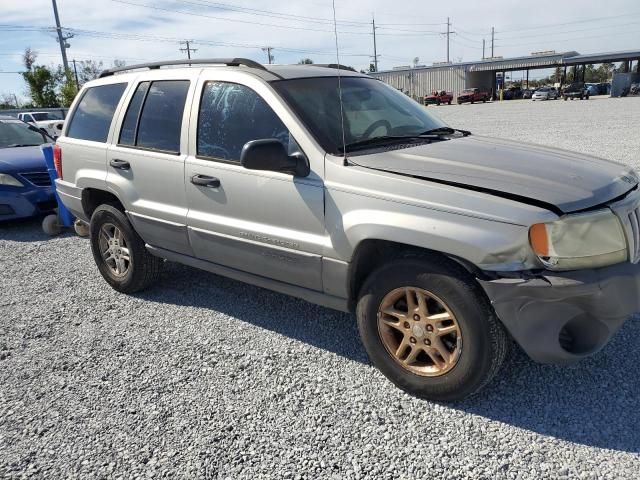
(75, 72)
(483, 48)
(493, 32)
(62, 38)
(270, 58)
(375, 48)
(188, 49)
(448, 25)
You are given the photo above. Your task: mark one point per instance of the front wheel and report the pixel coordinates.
(120, 253)
(429, 329)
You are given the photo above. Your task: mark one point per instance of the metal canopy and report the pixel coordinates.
(522, 63)
(603, 57)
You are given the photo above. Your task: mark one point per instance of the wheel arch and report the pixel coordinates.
(370, 254)
(92, 198)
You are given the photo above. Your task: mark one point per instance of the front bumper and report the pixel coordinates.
(562, 317)
(23, 203)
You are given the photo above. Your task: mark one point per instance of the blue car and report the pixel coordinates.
(25, 186)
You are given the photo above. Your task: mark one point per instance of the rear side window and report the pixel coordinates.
(232, 115)
(92, 118)
(154, 118)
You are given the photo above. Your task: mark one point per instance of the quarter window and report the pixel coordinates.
(154, 117)
(92, 118)
(232, 115)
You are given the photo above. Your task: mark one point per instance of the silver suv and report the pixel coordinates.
(333, 187)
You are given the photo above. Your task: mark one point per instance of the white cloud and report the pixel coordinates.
(396, 45)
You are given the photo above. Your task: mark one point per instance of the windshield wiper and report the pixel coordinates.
(446, 131)
(382, 140)
(23, 145)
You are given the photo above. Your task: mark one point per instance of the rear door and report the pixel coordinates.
(145, 162)
(266, 223)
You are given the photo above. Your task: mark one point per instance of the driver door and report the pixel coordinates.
(265, 223)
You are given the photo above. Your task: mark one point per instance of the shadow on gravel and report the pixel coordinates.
(593, 403)
(24, 230)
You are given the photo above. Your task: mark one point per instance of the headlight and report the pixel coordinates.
(586, 240)
(10, 180)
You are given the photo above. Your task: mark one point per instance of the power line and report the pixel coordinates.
(227, 19)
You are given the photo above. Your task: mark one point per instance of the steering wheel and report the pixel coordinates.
(375, 125)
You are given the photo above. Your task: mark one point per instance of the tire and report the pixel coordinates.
(51, 225)
(484, 342)
(472, 102)
(142, 268)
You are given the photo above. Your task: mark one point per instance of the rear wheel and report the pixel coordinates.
(429, 328)
(120, 253)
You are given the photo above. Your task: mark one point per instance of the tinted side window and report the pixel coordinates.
(160, 122)
(92, 118)
(232, 115)
(129, 126)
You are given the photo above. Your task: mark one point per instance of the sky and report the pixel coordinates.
(149, 30)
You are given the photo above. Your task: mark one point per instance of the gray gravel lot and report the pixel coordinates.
(206, 377)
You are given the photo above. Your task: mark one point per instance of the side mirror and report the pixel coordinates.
(269, 154)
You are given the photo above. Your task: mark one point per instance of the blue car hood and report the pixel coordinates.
(21, 159)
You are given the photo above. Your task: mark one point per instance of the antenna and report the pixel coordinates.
(335, 31)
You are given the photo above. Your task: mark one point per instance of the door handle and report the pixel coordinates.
(205, 181)
(120, 164)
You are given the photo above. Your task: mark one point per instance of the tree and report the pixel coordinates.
(41, 81)
(88, 70)
(305, 61)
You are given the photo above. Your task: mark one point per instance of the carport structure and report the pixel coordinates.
(455, 77)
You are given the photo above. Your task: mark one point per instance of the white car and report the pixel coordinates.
(545, 93)
(51, 125)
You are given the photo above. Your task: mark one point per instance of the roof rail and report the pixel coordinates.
(337, 66)
(232, 62)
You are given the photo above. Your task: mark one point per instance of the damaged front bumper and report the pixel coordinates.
(561, 317)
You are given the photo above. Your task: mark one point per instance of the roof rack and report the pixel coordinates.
(231, 62)
(337, 66)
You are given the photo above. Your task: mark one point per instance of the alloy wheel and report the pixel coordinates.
(114, 249)
(419, 331)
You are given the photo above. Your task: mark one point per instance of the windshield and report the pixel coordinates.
(371, 109)
(15, 133)
(39, 117)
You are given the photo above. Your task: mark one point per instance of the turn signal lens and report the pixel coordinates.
(539, 239)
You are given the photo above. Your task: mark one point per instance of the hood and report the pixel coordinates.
(559, 180)
(21, 159)
(48, 123)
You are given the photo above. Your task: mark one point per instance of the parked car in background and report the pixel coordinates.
(438, 97)
(527, 93)
(45, 120)
(514, 92)
(576, 90)
(472, 95)
(592, 89)
(545, 93)
(25, 186)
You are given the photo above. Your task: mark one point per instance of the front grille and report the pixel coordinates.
(39, 179)
(634, 235)
(628, 211)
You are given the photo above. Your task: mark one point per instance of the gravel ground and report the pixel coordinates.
(206, 377)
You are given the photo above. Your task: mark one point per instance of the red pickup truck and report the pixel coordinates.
(437, 97)
(473, 95)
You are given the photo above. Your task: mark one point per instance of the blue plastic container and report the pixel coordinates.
(64, 215)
